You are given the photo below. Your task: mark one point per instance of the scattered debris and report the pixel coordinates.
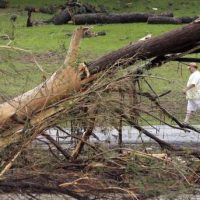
(101, 18)
(187, 19)
(96, 93)
(64, 13)
(78, 79)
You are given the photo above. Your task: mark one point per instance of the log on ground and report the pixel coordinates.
(187, 19)
(163, 20)
(102, 18)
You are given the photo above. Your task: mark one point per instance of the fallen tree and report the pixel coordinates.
(163, 20)
(86, 14)
(24, 106)
(88, 92)
(102, 18)
(101, 177)
(21, 107)
(175, 41)
(187, 19)
(28, 115)
(171, 20)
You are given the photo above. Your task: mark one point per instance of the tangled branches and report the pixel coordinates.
(109, 99)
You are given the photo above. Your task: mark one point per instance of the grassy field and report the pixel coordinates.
(179, 7)
(49, 44)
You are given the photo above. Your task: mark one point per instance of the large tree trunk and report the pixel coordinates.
(187, 19)
(175, 41)
(170, 20)
(66, 81)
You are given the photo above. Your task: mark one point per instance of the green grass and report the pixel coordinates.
(22, 3)
(51, 37)
(179, 7)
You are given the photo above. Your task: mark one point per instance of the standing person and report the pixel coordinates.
(192, 91)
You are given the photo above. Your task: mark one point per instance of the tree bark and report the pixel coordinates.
(102, 18)
(61, 84)
(66, 81)
(197, 60)
(175, 41)
(187, 19)
(163, 20)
